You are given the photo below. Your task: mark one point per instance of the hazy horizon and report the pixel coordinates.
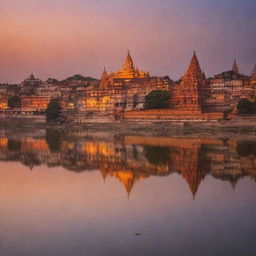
(60, 38)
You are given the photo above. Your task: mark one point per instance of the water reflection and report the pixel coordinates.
(131, 159)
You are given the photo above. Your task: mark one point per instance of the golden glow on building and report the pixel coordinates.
(3, 142)
(129, 71)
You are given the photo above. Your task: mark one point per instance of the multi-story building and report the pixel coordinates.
(124, 90)
(229, 87)
(123, 93)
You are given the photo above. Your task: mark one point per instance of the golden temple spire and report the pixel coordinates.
(128, 64)
(129, 71)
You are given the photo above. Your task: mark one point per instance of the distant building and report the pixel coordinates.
(123, 90)
(253, 76)
(117, 93)
(31, 81)
(229, 87)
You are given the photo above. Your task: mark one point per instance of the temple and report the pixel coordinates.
(235, 68)
(121, 95)
(191, 92)
(31, 81)
(129, 71)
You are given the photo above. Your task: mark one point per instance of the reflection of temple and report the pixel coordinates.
(131, 159)
(127, 178)
(193, 169)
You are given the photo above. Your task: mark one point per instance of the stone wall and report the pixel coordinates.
(172, 114)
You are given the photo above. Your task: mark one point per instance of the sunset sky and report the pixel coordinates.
(59, 38)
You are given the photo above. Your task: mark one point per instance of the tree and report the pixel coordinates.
(254, 107)
(157, 155)
(78, 77)
(246, 148)
(157, 99)
(52, 81)
(14, 102)
(14, 145)
(54, 139)
(245, 106)
(53, 110)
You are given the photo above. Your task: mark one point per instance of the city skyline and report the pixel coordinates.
(61, 38)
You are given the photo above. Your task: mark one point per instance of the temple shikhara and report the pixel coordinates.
(192, 91)
(121, 94)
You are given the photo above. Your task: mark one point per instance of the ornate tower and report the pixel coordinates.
(253, 77)
(191, 91)
(128, 64)
(32, 77)
(104, 79)
(129, 71)
(235, 67)
(193, 73)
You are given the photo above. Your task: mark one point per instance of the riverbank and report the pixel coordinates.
(222, 128)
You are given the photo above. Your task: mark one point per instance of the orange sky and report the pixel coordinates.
(59, 38)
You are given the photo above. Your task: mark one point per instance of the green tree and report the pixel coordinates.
(157, 99)
(53, 111)
(245, 106)
(14, 102)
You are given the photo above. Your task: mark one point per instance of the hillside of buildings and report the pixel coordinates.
(78, 77)
(121, 95)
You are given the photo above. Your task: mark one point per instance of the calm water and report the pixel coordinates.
(77, 194)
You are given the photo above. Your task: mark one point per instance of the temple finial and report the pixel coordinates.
(194, 66)
(235, 67)
(104, 73)
(104, 79)
(128, 63)
(253, 77)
